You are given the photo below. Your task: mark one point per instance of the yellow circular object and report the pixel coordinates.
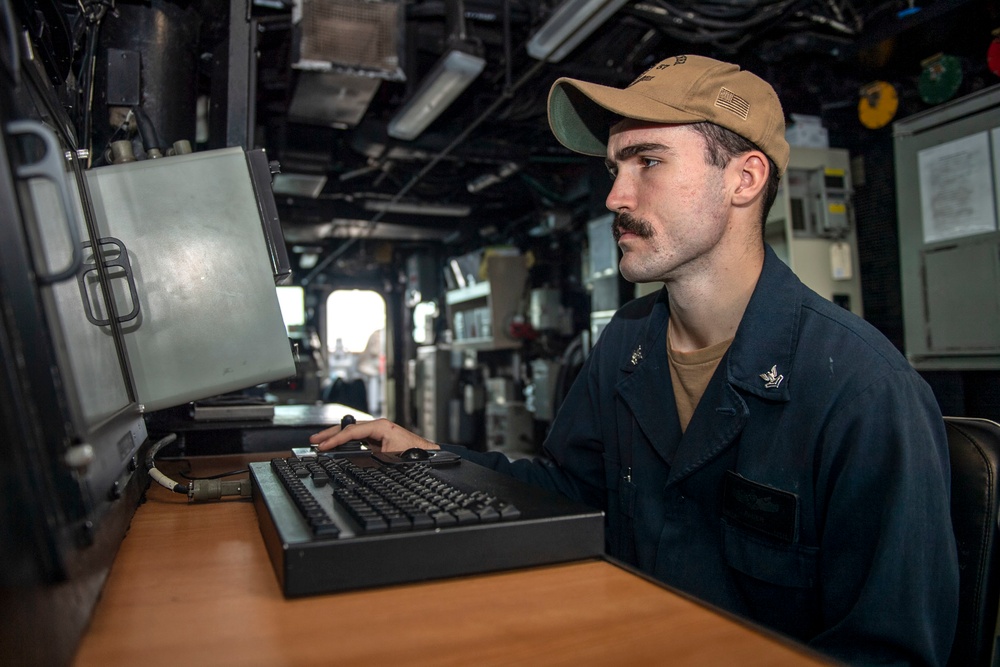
(878, 104)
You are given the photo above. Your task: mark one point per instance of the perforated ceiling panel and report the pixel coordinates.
(352, 36)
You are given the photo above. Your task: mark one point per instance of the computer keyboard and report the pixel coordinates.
(355, 520)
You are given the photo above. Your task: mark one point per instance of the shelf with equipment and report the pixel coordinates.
(480, 314)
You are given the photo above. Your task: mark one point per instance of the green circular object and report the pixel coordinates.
(940, 79)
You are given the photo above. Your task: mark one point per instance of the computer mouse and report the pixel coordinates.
(414, 454)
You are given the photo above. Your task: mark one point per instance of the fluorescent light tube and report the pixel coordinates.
(450, 76)
(570, 24)
(418, 208)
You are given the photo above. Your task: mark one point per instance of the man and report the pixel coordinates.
(750, 442)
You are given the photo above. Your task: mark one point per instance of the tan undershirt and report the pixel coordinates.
(690, 373)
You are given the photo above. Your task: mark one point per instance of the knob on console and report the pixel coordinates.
(353, 445)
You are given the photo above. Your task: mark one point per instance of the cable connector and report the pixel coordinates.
(155, 474)
(213, 489)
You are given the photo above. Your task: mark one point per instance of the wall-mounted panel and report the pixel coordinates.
(947, 191)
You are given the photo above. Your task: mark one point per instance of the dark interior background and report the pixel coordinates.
(208, 76)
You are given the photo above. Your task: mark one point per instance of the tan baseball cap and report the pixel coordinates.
(680, 89)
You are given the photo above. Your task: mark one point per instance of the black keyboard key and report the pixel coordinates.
(398, 522)
(464, 516)
(508, 512)
(488, 514)
(326, 528)
(372, 523)
(421, 521)
(444, 519)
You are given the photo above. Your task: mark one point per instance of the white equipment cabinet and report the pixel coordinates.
(811, 225)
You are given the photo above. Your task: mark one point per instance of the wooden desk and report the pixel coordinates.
(192, 584)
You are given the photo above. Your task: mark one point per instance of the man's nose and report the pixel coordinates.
(621, 197)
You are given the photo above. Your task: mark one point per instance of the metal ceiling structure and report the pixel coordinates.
(318, 82)
(489, 162)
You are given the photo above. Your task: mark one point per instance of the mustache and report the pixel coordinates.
(626, 222)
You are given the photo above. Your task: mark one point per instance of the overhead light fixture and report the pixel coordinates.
(331, 99)
(451, 75)
(571, 23)
(308, 260)
(486, 180)
(418, 208)
(298, 185)
(364, 229)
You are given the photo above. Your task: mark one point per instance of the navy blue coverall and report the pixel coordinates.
(809, 493)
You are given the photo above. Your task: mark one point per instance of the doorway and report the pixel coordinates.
(355, 338)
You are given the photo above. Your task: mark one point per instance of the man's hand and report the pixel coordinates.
(380, 433)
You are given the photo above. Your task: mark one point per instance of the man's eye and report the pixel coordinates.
(649, 162)
(613, 173)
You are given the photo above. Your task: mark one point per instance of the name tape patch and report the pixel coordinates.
(759, 507)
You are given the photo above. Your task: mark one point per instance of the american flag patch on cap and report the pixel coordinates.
(729, 100)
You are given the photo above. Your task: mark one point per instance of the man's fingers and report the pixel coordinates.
(380, 432)
(325, 434)
(336, 436)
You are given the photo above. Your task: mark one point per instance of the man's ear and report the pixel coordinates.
(752, 173)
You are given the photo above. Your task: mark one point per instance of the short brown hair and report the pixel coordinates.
(722, 145)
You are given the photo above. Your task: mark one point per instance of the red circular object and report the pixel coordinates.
(993, 56)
